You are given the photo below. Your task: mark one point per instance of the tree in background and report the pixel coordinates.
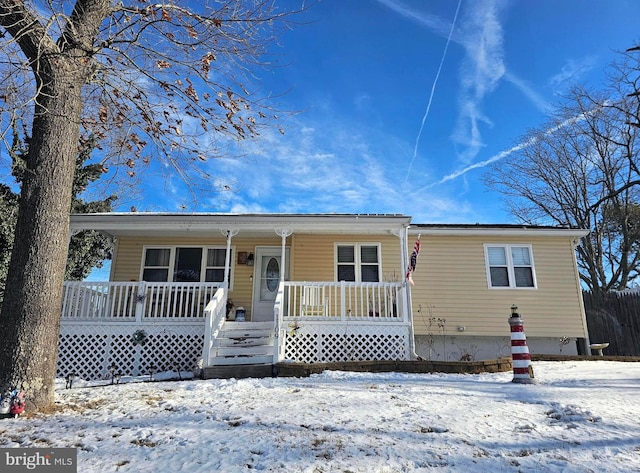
(168, 82)
(581, 169)
(87, 249)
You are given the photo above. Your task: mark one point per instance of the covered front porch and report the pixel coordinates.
(313, 322)
(301, 321)
(325, 322)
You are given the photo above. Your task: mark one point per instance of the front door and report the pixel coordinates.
(266, 280)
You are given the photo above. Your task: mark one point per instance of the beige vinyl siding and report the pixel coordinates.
(451, 283)
(243, 274)
(314, 255)
(311, 258)
(129, 256)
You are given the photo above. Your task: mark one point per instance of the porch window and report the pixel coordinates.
(188, 263)
(184, 264)
(215, 264)
(156, 264)
(358, 262)
(510, 266)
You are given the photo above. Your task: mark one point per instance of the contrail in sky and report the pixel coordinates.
(481, 164)
(433, 89)
(518, 147)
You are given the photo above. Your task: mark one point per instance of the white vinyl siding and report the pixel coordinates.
(510, 266)
(359, 262)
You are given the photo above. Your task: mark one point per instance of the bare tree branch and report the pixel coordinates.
(172, 83)
(581, 169)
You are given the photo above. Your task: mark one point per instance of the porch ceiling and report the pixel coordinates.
(208, 224)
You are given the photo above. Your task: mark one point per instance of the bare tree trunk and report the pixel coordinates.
(30, 314)
(112, 45)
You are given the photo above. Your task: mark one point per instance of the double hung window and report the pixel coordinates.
(184, 264)
(358, 262)
(510, 266)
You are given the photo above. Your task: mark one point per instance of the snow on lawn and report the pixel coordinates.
(583, 416)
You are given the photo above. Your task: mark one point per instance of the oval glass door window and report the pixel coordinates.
(270, 278)
(273, 274)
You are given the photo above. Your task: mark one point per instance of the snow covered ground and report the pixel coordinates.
(583, 416)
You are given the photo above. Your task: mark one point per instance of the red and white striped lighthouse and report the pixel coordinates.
(522, 369)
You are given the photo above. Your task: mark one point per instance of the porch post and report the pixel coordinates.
(404, 257)
(227, 258)
(283, 233)
(403, 235)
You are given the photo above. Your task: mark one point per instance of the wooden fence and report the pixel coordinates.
(614, 318)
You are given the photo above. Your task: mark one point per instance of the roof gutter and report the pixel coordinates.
(502, 231)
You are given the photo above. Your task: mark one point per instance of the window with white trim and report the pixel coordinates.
(184, 264)
(187, 266)
(510, 266)
(358, 262)
(156, 265)
(214, 271)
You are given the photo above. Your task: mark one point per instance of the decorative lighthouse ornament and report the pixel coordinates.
(522, 369)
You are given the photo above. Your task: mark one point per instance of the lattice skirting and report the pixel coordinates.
(321, 343)
(89, 350)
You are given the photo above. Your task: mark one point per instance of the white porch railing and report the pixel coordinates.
(341, 321)
(344, 301)
(215, 315)
(135, 301)
(100, 320)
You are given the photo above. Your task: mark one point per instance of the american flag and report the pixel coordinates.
(413, 260)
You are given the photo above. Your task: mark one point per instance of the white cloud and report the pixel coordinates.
(328, 167)
(571, 73)
(362, 101)
(481, 35)
(244, 208)
(432, 22)
(528, 91)
(481, 70)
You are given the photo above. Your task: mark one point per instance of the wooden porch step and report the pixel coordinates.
(245, 341)
(236, 333)
(242, 360)
(245, 334)
(230, 325)
(227, 351)
(238, 371)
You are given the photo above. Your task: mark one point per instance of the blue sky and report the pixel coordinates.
(362, 74)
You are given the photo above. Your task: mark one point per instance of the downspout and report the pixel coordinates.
(587, 342)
